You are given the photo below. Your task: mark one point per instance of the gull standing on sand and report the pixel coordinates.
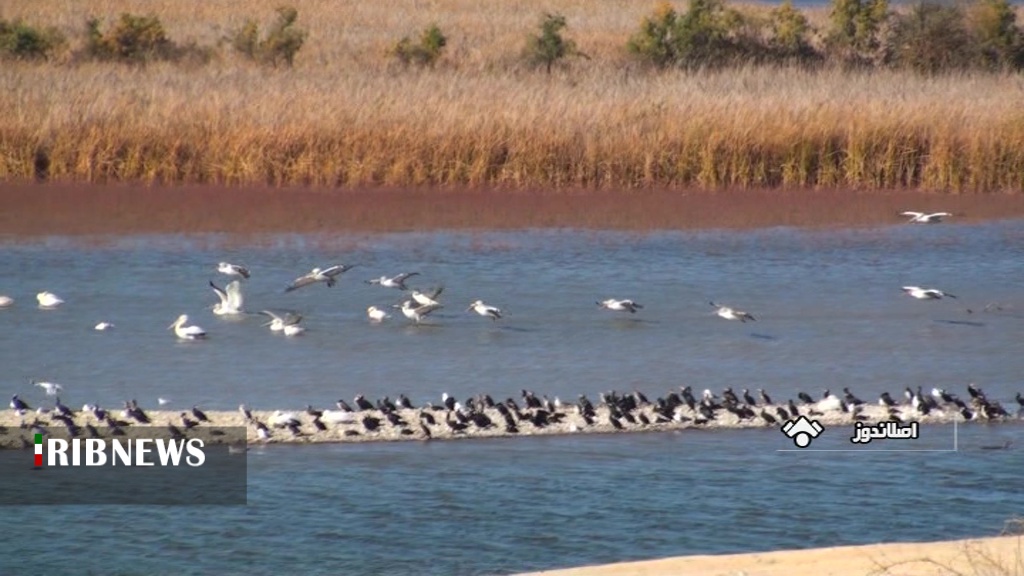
(6, 301)
(50, 387)
(731, 313)
(186, 332)
(376, 314)
(394, 281)
(926, 293)
(485, 310)
(620, 305)
(327, 276)
(417, 313)
(233, 270)
(48, 300)
(925, 218)
(231, 298)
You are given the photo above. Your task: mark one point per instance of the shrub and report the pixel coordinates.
(932, 38)
(426, 52)
(789, 34)
(23, 42)
(136, 40)
(549, 46)
(281, 43)
(708, 34)
(855, 34)
(999, 42)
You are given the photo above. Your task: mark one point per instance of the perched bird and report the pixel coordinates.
(233, 270)
(732, 314)
(394, 281)
(376, 314)
(328, 276)
(925, 218)
(18, 405)
(417, 313)
(231, 298)
(620, 305)
(48, 300)
(926, 293)
(186, 332)
(484, 310)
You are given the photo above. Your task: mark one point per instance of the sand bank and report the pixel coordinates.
(32, 210)
(1000, 556)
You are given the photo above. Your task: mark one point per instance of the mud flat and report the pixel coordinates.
(355, 426)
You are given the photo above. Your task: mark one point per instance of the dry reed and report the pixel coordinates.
(347, 115)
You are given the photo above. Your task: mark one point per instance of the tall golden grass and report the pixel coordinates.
(348, 115)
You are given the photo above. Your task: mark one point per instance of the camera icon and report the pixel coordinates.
(802, 430)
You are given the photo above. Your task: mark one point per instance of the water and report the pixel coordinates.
(830, 314)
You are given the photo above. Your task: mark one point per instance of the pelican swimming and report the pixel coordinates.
(417, 313)
(50, 387)
(293, 330)
(104, 326)
(731, 314)
(279, 322)
(485, 310)
(427, 298)
(233, 270)
(327, 276)
(6, 301)
(620, 305)
(926, 293)
(376, 314)
(394, 281)
(925, 218)
(48, 300)
(231, 298)
(186, 332)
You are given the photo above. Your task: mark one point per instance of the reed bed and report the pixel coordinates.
(347, 115)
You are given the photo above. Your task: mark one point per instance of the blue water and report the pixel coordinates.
(830, 314)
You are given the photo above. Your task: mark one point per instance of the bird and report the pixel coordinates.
(104, 326)
(417, 313)
(50, 387)
(394, 281)
(926, 293)
(620, 305)
(279, 321)
(485, 310)
(186, 332)
(376, 314)
(328, 276)
(233, 270)
(925, 218)
(48, 300)
(6, 301)
(231, 299)
(18, 405)
(732, 314)
(428, 298)
(293, 330)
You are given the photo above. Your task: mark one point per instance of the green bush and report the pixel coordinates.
(999, 42)
(856, 28)
(426, 52)
(707, 35)
(932, 38)
(137, 40)
(790, 34)
(549, 46)
(281, 44)
(20, 41)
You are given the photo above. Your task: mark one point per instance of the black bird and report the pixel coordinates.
(311, 411)
(187, 423)
(428, 417)
(1019, 399)
(342, 405)
(62, 409)
(426, 431)
(320, 426)
(245, 413)
(730, 397)
(793, 410)
(782, 412)
(199, 415)
(371, 423)
(362, 403)
(850, 398)
(18, 404)
(764, 396)
(886, 400)
(448, 401)
(93, 432)
(644, 419)
(394, 419)
(805, 398)
(404, 402)
(748, 398)
(175, 433)
(386, 405)
(641, 400)
(975, 392)
(615, 422)
(768, 417)
(455, 427)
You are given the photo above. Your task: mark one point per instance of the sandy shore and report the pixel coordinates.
(1000, 556)
(32, 210)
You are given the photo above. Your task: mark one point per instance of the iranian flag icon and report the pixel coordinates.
(39, 450)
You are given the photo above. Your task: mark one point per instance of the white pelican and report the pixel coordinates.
(925, 218)
(50, 387)
(231, 299)
(281, 419)
(376, 314)
(394, 281)
(293, 330)
(427, 298)
(338, 417)
(328, 276)
(48, 300)
(233, 270)
(186, 332)
(104, 326)
(417, 313)
(485, 310)
(732, 314)
(926, 293)
(6, 301)
(620, 305)
(279, 322)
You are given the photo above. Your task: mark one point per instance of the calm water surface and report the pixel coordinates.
(830, 314)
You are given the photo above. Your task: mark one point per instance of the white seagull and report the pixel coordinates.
(394, 281)
(620, 305)
(50, 387)
(417, 313)
(48, 300)
(231, 298)
(104, 326)
(376, 314)
(280, 321)
(233, 270)
(327, 276)
(926, 293)
(485, 310)
(427, 298)
(925, 218)
(6, 301)
(732, 314)
(186, 332)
